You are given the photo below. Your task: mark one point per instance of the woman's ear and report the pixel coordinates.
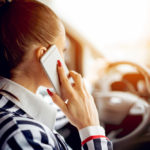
(40, 52)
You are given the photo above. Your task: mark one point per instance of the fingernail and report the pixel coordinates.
(49, 92)
(59, 63)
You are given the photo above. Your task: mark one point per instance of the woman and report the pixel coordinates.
(27, 29)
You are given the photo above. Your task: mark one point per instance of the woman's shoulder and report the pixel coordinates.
(21, 122)
(17, 129)
(19, 133)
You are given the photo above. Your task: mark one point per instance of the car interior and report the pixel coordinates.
(121, 91)
(121, 94)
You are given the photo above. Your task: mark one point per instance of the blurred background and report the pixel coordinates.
(119, 29)
(108, 43)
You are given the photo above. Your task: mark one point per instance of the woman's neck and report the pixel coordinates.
(27, 82)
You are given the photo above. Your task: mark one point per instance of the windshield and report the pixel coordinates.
(119, 29)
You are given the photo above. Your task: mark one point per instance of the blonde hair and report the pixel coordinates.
(22, 24)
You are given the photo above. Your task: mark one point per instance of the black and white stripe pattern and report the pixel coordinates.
(20, 132)
(61, 119)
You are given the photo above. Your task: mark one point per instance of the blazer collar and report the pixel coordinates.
(32, 104)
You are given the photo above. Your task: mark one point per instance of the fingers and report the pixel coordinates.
(77, 79)
(79, 82)
(63, 78)
(70, 88)
(57, 100)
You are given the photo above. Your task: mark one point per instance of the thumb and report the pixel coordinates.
(57, 100)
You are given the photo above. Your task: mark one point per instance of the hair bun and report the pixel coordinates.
(8, 1)
(2, 2)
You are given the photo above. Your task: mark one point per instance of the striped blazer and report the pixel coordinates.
(26, 128)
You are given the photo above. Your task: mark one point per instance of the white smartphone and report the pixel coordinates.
(49, 63)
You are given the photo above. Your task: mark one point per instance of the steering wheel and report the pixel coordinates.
(144, 71)
(114, 106)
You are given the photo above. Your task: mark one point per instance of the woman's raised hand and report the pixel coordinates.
(75, 101)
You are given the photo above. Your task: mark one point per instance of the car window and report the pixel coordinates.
(119, 29)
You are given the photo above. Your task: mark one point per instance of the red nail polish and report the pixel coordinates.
(59, 63)
(49, 92)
